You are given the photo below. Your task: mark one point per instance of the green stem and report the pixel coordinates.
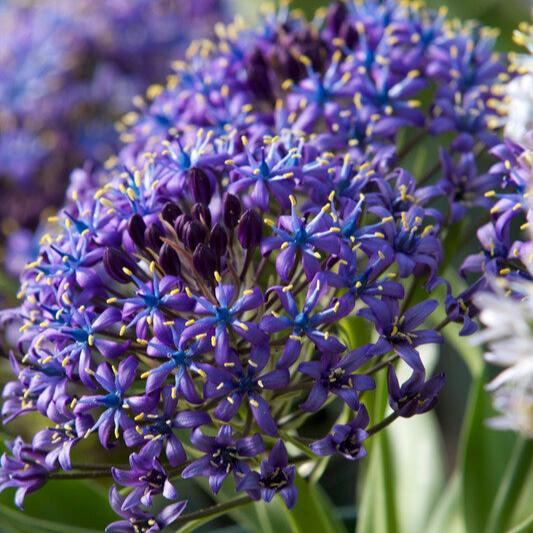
(383, 424)
(512, 483)
(88, 474)
(219, 508)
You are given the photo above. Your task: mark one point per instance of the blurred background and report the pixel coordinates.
(83, 505)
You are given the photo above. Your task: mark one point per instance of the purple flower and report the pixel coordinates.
(170, 344)
(398, 332)
(276, 476)
(336, 375)
(272, 173)
(116, 383)
(366, 284)
(417, 248)
(61, 439)
(345, 439)
(135, 519)
(236, 383)
(223, 455)
(416, 395)
(147, 477)
(24, 470)
(296, 239)
(303, 323)
(224, 315)
(156, 429)
(145, 306)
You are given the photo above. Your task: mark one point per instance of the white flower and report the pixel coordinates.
(520, 89)
(508, 332)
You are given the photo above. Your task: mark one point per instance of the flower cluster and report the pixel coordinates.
(193, 307)
(520, 89)
(68, 71)
(507, 260)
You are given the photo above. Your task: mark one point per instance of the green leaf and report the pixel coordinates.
(511, 486)
(313, 511)
(447, 516)
(355, 331)
(12, 521)
(524, 527)
(484, 456)
(68, 500)
(419, 472)
(377, 509)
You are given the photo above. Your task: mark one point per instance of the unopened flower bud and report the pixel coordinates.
(205, 262)
(194, 234)
(153, 236)
(200, 185)
(169, 260)
(170, 212)
(250, 229)
(232, 210)
(136, 229)
(218, 240)
(115, 261)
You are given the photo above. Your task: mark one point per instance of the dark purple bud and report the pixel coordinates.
(350, 35)
(194, 234)
(202, 213)
(218, 240)
(180, 224)
(250, 229)
(200, 185)
(257, 70)
(170, 212)
(115, 261)
(136, 229)
(232, 210)
(153, 235)
(169, 260)
(205, 262)
(337, 13)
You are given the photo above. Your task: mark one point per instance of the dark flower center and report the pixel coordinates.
(224, 315)
(336, 377)
(277, 480)
(112, 400)
(155, 479)
(349, 446)
(225, 458)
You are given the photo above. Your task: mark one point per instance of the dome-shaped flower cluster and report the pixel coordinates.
(191, 306)
(68, 71)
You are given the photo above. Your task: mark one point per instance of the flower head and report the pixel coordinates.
(193, 302)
